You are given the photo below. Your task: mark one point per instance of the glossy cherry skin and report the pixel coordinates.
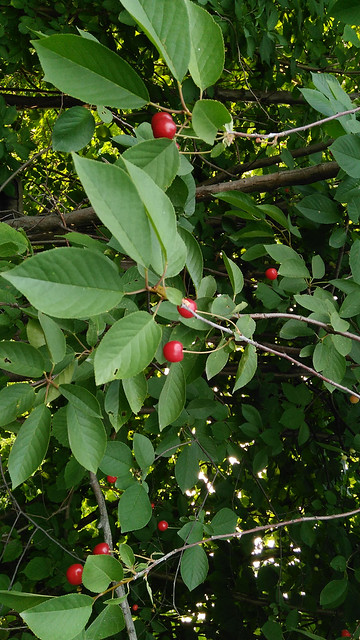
(184, 312)
(111, 479)
(271, 273)
(135, 607)
(162, 525)
(173, 351)
(74, 574)
(101, 549)
(163, 126)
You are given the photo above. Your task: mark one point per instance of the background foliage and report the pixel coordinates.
(103, 230)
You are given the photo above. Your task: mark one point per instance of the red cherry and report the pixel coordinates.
(184, 312)
(271, 273)
(111, 479)
(135, 607)
(354, 399)
(345, 633)
(163, 126)
(74, 574)
(173, 351)
(153, 505)
(162, 525)
(101, 549)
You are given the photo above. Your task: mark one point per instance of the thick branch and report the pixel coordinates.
(265, 97)
(40, 102)
(104, 520)
(273, 181)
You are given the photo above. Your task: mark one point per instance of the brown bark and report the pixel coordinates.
(265, 97)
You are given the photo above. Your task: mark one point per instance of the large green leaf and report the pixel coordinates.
(208, 117)
(346, 151)
(113, 195)
(82, 399)
(68, 282)
(21, 601)
(60, 618)
(30, 446)
(207, 47)
(187, 468)
(117, 459)
(159, 158)
(14, 401)
(134, 508)
(127, 348)
(347, 11)
(332, 592)
(194, 567)
(167, 25)
(172, 396)
(87, 437)
(21, 358)
(224, 521)
(73, 129)
(318, 208)
(12, 242)
(109, 622)
(87, 70)
(355, 261)
(143, 451)
(136, 391)
(99, 571)
(54, 337)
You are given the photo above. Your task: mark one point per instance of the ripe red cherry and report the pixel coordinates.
(163, 126)
(162, 525)
(345, 633)
(74, 574)
(184, 312)
(173, 351)
(271, 273)
(135, 607)
(153, 505)
(101, 549)
(111, 479)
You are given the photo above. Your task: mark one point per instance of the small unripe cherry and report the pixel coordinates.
(271, 274)
(354, 399)
(74, 574)
(173, 351)
(184, 312)
(162, 525)
(111, 479)
(101, 549)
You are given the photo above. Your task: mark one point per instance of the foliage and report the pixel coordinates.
(248, 447)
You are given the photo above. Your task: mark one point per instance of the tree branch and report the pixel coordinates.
(265, 97)
(105, 525)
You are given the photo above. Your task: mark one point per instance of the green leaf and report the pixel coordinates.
(136, 391)
(61, 618)
(167, 26)
(192, 531)
(87, 70)
(216, 361)
(354, 260)
(235, 275)
(347, 11)
(82, 399)
(272, 630)
(187, 468)
(21, 601)
(21, 358)
(127, 348)
(208, 117)
(194, 567)
(116, 405)
(172, 396)
(143, 451)
(109, 622)
(159, 158)
(194, 259)
(282, 253)
(99, 571)
(107, 186)
(317, 267)
(333, 591)
(126, 554)
(87, 437)
(207, 47)
(247, 367)
(54, 337)
(117, 459)
(338, 563)
(328, 360)
(30, 446)
(224, 521)
(294, 269)
(68, 282)
(134, 508)
(346, 151)
(14, 401)
(318, 208)
(12, 242)
(73, 129)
